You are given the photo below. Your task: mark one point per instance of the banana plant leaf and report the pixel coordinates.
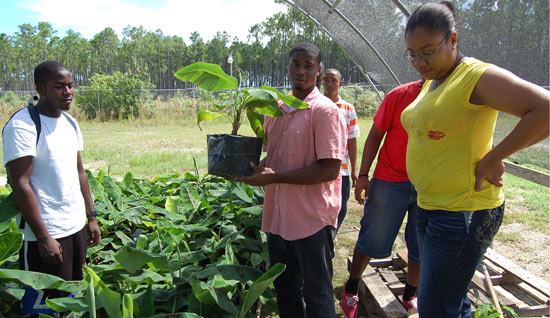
(207, 76)
(8, 209)
(208, 115)
(259, 286)
(10, 243)
(40, 280)
(287, 99)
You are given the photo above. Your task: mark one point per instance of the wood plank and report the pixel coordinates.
(520, 294)
(532, 311)
(368, 302)
(499, 280)
(478, 297)
(540, 297)
(403, 254)
(384, 297)
(478, 281)
(510, 298)
(389, 276)
(513, 269)
(492, 267)
(509, 278)
(527, 174)
(387, 262)
(397, 289)
(392, 281)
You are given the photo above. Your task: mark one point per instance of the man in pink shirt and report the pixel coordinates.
(302, 195)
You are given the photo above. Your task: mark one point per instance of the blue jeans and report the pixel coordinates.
(451, 245)
(383, 215)
(304, 289)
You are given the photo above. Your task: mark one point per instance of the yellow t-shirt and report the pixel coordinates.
(447, 137)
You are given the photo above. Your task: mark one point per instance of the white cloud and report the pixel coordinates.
(174, 17)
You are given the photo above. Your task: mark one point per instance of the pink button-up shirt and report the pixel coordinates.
(295, 140)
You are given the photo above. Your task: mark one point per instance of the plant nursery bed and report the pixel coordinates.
(383, 281)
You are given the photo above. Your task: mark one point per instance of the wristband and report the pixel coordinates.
(364, 175)
(93, 214)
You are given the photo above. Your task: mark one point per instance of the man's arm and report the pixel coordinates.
(19, 172)
(372, 144)
(322, 170)
(93, 228)
(352, 150)
(353, 131)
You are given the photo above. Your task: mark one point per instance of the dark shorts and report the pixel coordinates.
(73, 249)
(384, 212)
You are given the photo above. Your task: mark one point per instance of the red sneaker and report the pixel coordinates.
(349, 303)
(411, 303)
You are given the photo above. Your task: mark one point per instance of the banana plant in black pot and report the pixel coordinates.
(229, 155)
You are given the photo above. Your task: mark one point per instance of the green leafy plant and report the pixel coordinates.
(186, 246)
(254, 102)
(490, 311)
(116, 96)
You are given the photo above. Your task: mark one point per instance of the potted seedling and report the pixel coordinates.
(229, 155)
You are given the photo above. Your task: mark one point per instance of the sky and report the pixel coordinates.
(172, 17)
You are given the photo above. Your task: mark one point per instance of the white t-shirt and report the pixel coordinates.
(54, 176)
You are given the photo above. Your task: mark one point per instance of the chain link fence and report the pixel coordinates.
(360, 95)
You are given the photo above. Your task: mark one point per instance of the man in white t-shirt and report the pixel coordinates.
(50, 185)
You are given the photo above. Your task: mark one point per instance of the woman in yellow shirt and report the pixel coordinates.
(450, 159)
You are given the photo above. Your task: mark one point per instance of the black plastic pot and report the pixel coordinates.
(230, 155)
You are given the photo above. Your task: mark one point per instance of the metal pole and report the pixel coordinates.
(402, 7)
(358, 32)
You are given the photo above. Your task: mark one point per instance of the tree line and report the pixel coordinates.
(509, 33)
(262, 60)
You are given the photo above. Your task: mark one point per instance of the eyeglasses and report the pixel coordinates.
(412, 56)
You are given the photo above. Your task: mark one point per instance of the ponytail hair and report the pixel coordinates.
(433, 16)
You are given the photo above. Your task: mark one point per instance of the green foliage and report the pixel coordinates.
(530, 197)
(207, 76)
(10, 242)
(8, 206)
(10, 99)
(365, 100)
(490, 311)
(536, 156)
(189, 246)
(255, 102)
(117, 96)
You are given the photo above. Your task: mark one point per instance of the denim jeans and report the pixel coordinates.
(304, 289)
(383, 216)
(451, 245)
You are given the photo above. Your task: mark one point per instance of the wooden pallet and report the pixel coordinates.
(384, 281)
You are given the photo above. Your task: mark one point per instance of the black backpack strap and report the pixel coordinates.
(33, 112)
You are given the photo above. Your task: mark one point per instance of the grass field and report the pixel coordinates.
(151, 148)
(148, 149)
